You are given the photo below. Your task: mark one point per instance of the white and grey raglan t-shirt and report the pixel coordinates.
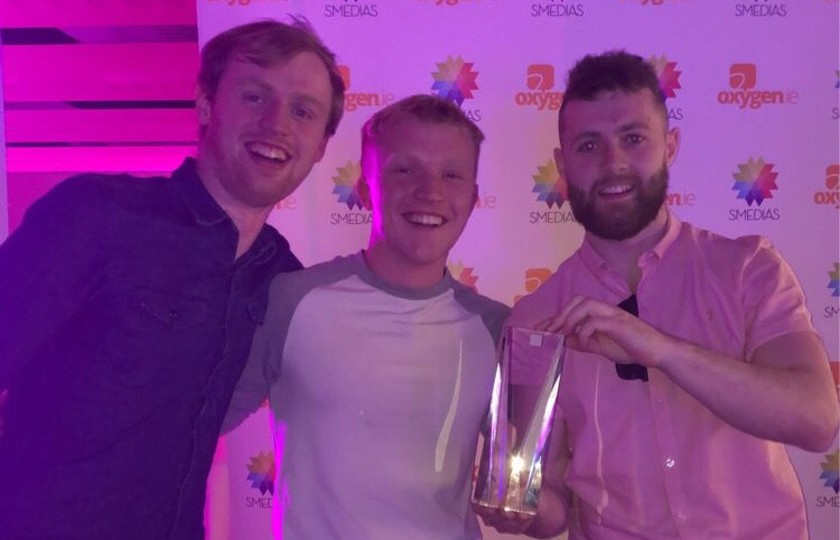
(377, 395)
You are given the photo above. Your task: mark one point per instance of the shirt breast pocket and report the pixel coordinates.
(172, 310)
(156, 331)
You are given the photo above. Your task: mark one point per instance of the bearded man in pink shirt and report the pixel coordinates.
(692, 358)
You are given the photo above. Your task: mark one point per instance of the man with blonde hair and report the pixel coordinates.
(379, 365)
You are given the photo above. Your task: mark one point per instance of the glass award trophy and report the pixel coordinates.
(519, 421)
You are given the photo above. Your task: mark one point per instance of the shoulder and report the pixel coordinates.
(492, 312)
(744, 254)
(301, 281)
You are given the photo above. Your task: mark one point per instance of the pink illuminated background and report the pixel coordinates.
(102, 85)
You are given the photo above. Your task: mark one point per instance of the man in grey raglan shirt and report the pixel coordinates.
(379, 365)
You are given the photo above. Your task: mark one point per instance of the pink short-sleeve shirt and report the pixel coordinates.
(648, 460)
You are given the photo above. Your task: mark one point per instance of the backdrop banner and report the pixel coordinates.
(753, 86)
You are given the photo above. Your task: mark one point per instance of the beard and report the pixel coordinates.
(621, 223)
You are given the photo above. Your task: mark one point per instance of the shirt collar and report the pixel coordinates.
(207, 211)
(195, 195)
(597, 264)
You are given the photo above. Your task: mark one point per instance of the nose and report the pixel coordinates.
(614, 158)
(275, 118)
(429, 187)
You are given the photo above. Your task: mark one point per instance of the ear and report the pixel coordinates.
(672, 145)
(203, 107)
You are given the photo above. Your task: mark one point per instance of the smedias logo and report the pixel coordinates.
(354, 100)
(463, 273)
(556, 8)
(669, 82)
(350, 8)
(347, 193)
(743, 79)
(755, 181)
(831, 195)
(831, 471)
(833, 310)
(760, 8)
(831, 480)
(455, 80)
(261, 471)
(539, 78)
(669, 76)
(550, 187)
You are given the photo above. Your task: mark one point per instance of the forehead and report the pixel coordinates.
(407, 132)
(611, 110)
(303, 70)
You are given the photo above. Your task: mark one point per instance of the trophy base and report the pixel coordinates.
(507, 510)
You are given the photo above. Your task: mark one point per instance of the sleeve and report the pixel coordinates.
(262, 366)
(773, 301)
(49, 267)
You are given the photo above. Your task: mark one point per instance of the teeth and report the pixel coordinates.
(268, 151)
(424, 219)
(614, 190)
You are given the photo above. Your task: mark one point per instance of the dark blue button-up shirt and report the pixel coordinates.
(125, 322)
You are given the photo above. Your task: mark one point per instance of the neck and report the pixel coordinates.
(402, 275)
(623, 255)
(249, 221)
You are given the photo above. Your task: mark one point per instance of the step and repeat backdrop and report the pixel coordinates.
(752, 84)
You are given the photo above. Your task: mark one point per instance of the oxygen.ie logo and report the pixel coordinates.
(743, 93)
(539, 78)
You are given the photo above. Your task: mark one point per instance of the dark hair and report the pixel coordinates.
(425, 107)
(609, 72)
(264, 43)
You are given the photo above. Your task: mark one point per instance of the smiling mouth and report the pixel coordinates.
(424, 220)
(616, 190)
(267, 152)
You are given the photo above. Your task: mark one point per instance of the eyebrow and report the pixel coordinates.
(624, 128)
(297, 96)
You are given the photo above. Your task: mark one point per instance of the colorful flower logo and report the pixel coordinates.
(549, 185)
(669, 76)
(455, 80)
(755, 181)
(345, 181)
(261, 471)
(831, 474)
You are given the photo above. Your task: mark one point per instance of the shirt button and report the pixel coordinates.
(669, 462)
(681, 515)
(659, 404)
(173, 315)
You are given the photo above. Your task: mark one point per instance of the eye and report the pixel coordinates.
(453, 175)
(252, 98)
(585, 147)
(634, 139)
(303, 113)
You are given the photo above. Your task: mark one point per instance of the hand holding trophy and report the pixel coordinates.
(522, 403)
